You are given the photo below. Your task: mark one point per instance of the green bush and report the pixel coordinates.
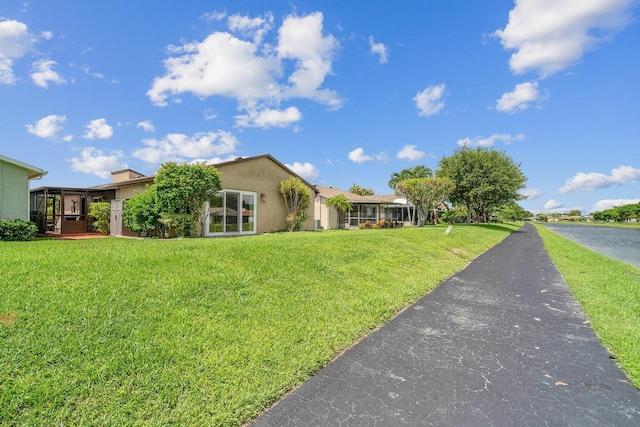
(101, 211)
(17, 230)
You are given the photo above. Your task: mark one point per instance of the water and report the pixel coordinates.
(622, 244)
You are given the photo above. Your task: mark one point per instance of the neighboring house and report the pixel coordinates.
(249, 202)
(364, 208)
(14, 188)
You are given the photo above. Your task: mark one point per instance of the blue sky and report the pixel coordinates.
(342, 92)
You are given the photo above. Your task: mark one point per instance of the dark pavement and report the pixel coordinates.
(502, 343)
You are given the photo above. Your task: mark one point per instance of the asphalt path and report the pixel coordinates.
(501, 343)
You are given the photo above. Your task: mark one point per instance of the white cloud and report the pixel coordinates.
(179, 147)
(553, 204)
(602, 205)
(47, 127)
(99, 129)
(43, 73)
(268, 118)
(550, 35)
(96, 162)
(429, 101)
(250, 71)
(358, 156)
(531, 193)
(146, 125)
(254, 28)
(15, 42)
(595, 180)
(520, 98)
(379, 49)
(305, 170)
(410, 152)
(505, 138)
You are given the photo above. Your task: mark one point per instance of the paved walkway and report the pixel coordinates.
(502, 343)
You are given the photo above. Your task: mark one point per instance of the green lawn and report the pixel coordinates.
(200, 331)
(608, 291)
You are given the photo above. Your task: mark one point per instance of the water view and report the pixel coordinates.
(622, 244)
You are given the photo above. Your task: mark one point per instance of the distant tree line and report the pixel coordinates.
(619, 213)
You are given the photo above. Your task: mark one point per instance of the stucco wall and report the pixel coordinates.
(14, 192)
(262, 176)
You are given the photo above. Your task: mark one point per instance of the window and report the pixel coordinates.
(231, 212)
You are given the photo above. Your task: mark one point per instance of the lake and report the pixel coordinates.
(622, 244)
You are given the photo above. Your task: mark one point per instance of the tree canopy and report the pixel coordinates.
(419, 171)
(361, 191)
(425, 193)
(484, 179)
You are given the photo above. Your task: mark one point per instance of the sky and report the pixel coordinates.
(342, 92)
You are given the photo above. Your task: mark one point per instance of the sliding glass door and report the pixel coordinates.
(231, 212)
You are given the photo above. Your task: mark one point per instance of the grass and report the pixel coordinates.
(201, 331)
(609, 292)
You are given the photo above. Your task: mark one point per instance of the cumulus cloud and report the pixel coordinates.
(549, 35)
(602, 205)
(553, 204)
(97, 162)
(410, 152)
(47, 127)
(268, 118)
(379, 50)
(43, 73)
(594, 180)
(239, 65)
(305, 170)
(179, 147)
(15, 42)
(429, 101)
(505, 138)
(520, 98)
(98, 129)
(531, 193)
(358, 156)
(146, 125)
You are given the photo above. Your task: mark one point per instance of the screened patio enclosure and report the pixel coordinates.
(64, 210)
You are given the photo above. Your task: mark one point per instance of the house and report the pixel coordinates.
(14, 188)
(388, 207)
(249, 202)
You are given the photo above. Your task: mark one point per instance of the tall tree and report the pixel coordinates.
(361, 191)
(425, 194)
(419, 171)
(484, 179)
(341, 203)
(181, 191)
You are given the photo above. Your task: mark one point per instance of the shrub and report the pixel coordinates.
(179, 224)
(17, 230)
(101, 212)
(366, 224)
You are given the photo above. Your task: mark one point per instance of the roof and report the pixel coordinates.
(356, 198)
(34, 172)
(151, 178)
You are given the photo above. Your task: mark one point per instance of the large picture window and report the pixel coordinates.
(231, 212)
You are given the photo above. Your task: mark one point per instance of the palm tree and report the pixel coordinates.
(341, 203)
(418, 171)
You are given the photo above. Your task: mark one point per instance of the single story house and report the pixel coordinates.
(249, 202)
(14, 188)
(374, 208)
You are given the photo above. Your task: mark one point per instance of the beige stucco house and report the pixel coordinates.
(374, 208)
(249, 202)
(14, 188)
